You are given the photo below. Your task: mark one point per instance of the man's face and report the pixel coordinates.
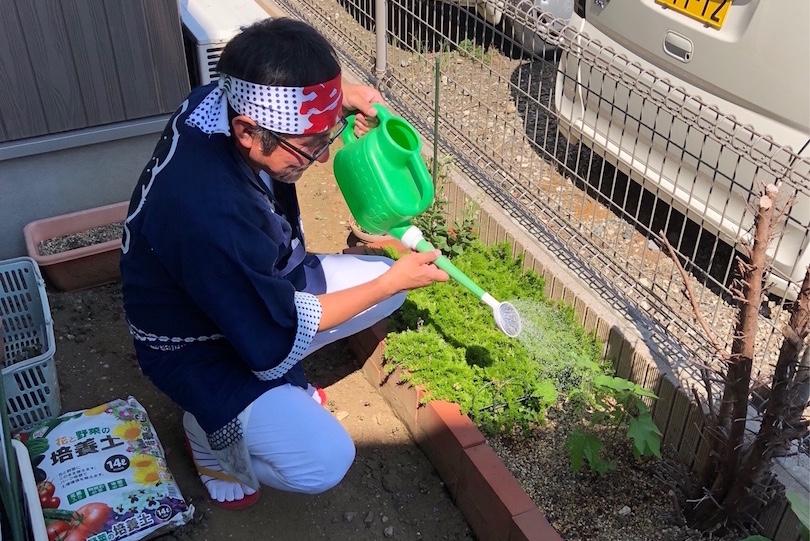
(291, 156)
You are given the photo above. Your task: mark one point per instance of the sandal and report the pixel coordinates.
(233, 505)
(321, 396)
(317, 394)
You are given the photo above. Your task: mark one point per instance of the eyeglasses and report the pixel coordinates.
(334, 133)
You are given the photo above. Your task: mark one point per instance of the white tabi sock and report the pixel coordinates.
(221, 486)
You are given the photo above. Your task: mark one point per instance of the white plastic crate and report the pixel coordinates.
(30, 383)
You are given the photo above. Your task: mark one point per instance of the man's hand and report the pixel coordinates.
(413, 270)
(359, 99)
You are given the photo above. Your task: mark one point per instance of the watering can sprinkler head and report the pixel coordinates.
(506, 315)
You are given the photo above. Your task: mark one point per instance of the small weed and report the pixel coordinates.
(445, 53)
(418, 46)
(452, 239)
(468, 48)
(616, 403)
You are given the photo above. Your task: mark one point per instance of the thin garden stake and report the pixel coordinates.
(437, 75)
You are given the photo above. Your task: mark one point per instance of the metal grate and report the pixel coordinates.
(501, 127)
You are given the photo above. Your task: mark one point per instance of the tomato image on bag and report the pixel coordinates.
(101, 475)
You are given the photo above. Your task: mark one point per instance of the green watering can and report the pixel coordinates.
(386, 184)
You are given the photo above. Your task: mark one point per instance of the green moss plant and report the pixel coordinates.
(447, 343)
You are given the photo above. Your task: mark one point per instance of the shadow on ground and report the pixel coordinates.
(391, 491)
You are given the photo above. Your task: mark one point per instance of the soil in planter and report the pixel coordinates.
(89, 237)
(632, 503)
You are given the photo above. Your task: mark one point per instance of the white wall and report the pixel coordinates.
(51, 176)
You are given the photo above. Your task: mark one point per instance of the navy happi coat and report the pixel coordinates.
(217, 286)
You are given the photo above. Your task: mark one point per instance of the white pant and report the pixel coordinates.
(296, 444)
(344, 271)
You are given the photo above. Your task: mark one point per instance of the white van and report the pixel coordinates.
(679, 94)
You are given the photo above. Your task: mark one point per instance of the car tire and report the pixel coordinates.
(525, 36)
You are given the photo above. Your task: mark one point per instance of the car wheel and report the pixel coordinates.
(532, 10)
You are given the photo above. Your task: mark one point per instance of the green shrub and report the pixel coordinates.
(447, 342)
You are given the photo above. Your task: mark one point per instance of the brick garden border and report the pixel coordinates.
(491, 499)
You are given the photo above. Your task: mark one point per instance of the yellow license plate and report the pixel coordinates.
(711, 12)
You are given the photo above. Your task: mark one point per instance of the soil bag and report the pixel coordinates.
(101, 475)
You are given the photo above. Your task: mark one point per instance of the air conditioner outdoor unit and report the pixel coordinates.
(207, 26)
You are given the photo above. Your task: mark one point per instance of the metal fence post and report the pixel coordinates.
(381, 30)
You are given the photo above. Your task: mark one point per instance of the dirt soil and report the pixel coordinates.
(391, 491)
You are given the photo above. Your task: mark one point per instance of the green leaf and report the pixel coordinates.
(545, 392)
(646, 436)
(613, 383)
(58, 514)
(602, 466)
(756, 538)
(598, 418)
(641, 391)
(36, 446)
(640, 405)
(581, 445)
(575, 445)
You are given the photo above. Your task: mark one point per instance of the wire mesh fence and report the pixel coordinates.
(558, 129)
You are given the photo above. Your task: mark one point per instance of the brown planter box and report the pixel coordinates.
(84, 267)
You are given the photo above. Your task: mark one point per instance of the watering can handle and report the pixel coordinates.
(443, 263)
(348, 133)
(424, 182)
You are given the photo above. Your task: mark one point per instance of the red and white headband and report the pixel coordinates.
(285, 109)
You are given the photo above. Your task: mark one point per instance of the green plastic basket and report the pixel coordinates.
(29, 368)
